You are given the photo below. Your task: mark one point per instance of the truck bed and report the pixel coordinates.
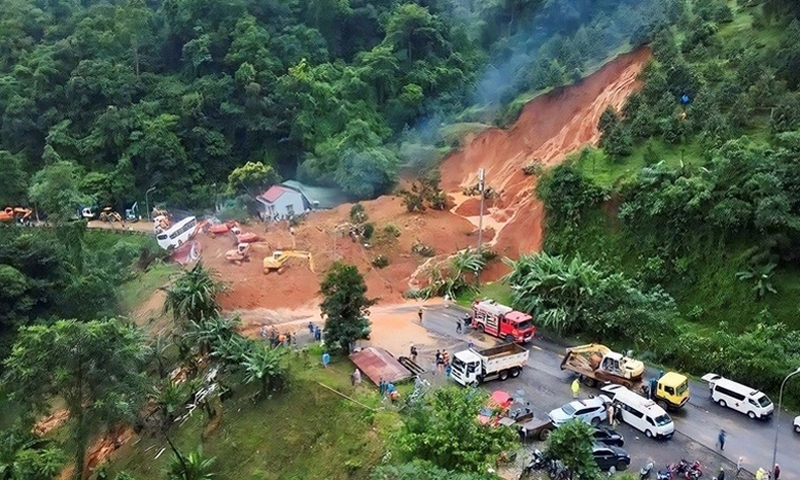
(500, 351)
(581, 365)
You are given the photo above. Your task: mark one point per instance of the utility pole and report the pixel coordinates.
(481, 188)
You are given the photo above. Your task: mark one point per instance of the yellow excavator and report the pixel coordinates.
(598, 363)
(274, 263)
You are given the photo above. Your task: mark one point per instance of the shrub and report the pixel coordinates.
(381, 261)
(369, 229)
(358, 214)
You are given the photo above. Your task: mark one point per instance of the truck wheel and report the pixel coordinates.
(503, 375)
(515, 372)
(662, 404)
(589, 382)
(510, 338)
(479, 328)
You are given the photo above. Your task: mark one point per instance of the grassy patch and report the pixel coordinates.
(306, 432)
(452, 134)
(135, 292)
(100, 239)
(497, 291)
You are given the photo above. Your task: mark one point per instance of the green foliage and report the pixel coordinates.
(567, 195)
(252, 178)
(421, 470)
(444, 430)
(760, 275)
(93, 366)
(344, 305)
(193, 296)
(265, 365)
(56, 189)
(572, 444)
(23, 457)
(194, 466)
(572, 296)
(456, 278)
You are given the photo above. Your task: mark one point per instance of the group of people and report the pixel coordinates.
(315, 331)
(388, 390)
(278, 339)
(442, 360)
(762, 474)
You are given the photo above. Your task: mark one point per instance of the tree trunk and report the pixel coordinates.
(80, 445)
(264, 385)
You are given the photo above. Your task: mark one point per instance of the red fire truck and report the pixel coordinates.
(502, 321)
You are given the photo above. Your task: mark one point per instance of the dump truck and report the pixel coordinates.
(473, 367)
(599, 364)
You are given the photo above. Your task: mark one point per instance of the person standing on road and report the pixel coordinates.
(419, 313)
(413, 354)
(618, 414)
(610, 414)
(739, 466)
(576, 388)
(458, 325)
(776, 472)
(721, 475)
(721, 440)
(761, 474)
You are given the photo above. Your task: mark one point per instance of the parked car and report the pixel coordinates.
(591, 411)
(607, 456)
(797, 424)
(607, 436)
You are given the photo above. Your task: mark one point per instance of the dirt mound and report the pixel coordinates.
(549, 127)
(297, 287)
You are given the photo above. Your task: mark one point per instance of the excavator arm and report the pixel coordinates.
(278, 258)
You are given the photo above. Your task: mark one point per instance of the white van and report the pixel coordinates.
(741, 398)
(641, 413)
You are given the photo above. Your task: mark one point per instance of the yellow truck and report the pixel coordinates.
(597, 363)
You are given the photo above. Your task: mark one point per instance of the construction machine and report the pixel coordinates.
(109, 215)
(16, 214)
(238, 255)
(132, 214)
(598, 363)
(274, 263)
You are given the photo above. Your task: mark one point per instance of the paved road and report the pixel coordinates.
(546, 386)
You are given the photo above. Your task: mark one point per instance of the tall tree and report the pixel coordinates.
(445, 431)
(56, 190)
(344, 305)
(252, 178)
(93, 366)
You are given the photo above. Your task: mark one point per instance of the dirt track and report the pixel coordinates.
(549, 127)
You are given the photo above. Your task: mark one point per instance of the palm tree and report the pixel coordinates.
(195, 466)
(193, 296)
(264, 364)
(170, 398)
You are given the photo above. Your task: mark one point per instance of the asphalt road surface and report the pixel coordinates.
(697, 425)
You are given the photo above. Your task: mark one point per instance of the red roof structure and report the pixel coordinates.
(377, 363)
(274, 193)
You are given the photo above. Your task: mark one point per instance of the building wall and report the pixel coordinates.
(290, 198)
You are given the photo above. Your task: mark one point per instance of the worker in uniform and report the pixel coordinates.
(576, 388)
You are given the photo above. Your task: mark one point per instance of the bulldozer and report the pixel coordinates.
(16, 214)
(274, 263)
(109, 215)
(238, 255)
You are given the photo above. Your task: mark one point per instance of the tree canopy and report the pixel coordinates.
(344, 305)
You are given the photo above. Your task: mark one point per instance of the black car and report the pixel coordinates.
(608, 437)
(607, 456)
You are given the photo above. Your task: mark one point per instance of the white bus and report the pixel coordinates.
(177, 234)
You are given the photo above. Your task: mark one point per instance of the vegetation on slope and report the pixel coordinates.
(700, 199)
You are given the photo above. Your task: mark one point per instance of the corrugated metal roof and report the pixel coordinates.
(376, 363)
(325, 197)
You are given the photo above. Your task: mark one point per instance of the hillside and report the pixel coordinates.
(700, 199)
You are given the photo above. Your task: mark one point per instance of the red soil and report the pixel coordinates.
(549, 127)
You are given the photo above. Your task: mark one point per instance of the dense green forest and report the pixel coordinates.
(681, 235)
(177, 93)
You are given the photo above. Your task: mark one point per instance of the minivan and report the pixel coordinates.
(641, 413)
(744, 399)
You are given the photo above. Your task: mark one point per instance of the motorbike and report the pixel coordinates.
(644, 473)
(665, 474)
(538, 462)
